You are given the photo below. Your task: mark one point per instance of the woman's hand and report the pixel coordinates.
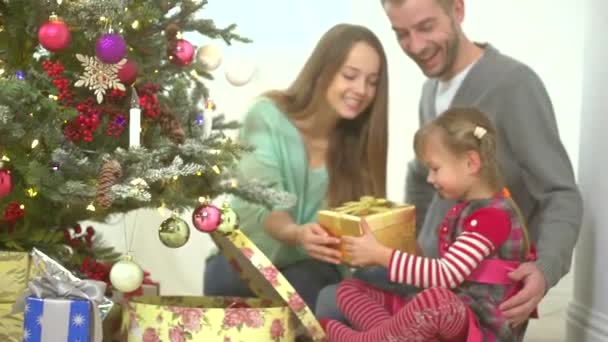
(318, 243)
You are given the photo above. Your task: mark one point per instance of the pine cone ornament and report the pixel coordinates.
(170, 126)
(171, 31)
(109, 173)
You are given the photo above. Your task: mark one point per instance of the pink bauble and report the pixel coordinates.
(128, 73)
(110, 48)
(206, 218)
(6, 183)
(182, 53)
(54, 35)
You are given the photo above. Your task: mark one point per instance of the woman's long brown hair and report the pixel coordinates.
(357, 154)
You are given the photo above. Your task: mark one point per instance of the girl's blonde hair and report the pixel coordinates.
(462, 130)
(457, 128)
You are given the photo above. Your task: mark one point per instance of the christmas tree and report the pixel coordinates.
(103, 110)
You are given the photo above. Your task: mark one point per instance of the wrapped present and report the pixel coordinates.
(57, 293)
(50, 319)
(14, 274)
(278, 314)
(392, 224)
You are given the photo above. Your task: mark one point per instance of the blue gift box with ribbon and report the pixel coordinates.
(56, 320)
(59, 307)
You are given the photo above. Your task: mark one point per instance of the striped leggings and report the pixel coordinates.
(435, 314)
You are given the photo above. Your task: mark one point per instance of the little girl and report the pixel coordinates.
(481, 240)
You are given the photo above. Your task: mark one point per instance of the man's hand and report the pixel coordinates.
(518, 308)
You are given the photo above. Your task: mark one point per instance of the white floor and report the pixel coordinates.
(552, 325)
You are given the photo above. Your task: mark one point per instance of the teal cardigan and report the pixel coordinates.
(280, 158)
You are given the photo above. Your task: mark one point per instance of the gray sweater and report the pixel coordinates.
(531, 156)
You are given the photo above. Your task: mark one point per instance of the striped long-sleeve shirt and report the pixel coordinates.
(485, 230)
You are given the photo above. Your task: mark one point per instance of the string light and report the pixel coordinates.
(175, 177)
(5, 158)
(91, 207)
(35, 143)
(209, 105)
(135, 24)
(234, 183)
(31, 192)
(161, 209)
(22, 207)
(216, 169)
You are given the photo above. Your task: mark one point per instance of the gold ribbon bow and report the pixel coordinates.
(364, 206)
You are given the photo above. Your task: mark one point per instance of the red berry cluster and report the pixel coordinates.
(116, 125)
(12, 213)
(75, 236)
(148, 102)
(96, 270)
(55, 71)
(117, 94)
(83, 125)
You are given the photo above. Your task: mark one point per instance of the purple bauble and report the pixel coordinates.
(110, 48)
(207, 218)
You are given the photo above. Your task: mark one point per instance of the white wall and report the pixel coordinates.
(588, 310)
(546, 34)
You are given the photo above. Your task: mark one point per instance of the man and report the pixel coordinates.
(534, 162)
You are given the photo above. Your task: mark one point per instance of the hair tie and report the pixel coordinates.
(479, 132)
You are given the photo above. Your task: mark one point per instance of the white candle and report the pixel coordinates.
(134, 120)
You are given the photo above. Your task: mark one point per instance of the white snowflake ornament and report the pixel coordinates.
(99, 76)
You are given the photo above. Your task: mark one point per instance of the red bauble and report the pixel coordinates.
(207, 218)
(181, 52)
(128, 73)
(54, 35)
(6, 183)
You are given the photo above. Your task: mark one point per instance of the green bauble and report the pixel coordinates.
(230, 220)
(174, 232)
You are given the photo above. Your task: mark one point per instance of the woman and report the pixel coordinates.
(324, 140)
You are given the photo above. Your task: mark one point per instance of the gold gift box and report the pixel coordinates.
(14, 275)
(393, 225)
(277, 314)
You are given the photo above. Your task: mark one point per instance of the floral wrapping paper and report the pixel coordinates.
(279, 314)
(393, 225)
(209, 319)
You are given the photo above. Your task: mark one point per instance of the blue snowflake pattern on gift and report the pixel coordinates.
(44, 317)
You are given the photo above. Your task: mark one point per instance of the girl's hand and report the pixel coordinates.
(366, 250)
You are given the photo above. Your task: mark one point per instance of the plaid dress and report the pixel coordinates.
(484, 299)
